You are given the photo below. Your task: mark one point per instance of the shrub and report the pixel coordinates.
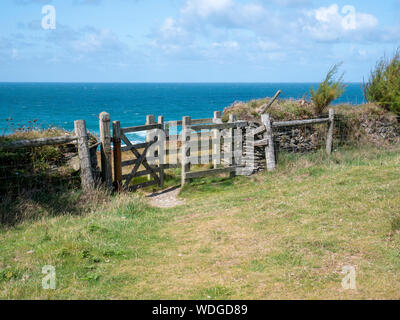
(329, 90)
(383, 86)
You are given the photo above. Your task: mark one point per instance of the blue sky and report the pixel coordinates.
(195, 40)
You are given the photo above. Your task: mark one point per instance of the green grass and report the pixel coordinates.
(280, 235)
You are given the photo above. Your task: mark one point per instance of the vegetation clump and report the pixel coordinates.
(328, 91)
(383, 86)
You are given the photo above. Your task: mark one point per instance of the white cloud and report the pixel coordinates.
(226, 45)
(256, 31)
(329, 23)
(171, 30)
(205, 8)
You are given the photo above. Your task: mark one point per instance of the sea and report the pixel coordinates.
(59, 104)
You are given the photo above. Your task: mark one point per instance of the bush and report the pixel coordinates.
(383, 86)
(327, 91)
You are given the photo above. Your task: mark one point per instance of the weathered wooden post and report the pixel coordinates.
(161, 153)
(269, 136)
(117, 155)
(185, 161)
(232, 119)
(84, 155)
(105, 140)
(150, 119)
(329, 139)
(216, 143)
(270, 103)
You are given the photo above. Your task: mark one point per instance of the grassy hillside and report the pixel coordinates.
(285, 235)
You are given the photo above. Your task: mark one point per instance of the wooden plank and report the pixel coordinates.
(129, 163)
(258, 130)
(329, 139)
(38, 142)
(265, 108)
(137, 146)
(269, 149)
(258, 143)
(216, 142)
(150, 120)
(202, 121)
(117, 154)
(84, 155)
(129, 146)
(185, 162)
(141, 160)
(231, 146)
(141, 128)
(105, 140)
(194, 121)
(161, 163)
(205, 173)
(220, 126)
(296, 123)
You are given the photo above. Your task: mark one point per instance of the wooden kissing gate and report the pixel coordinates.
(141, 167)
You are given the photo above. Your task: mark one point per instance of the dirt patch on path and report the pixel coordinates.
(167, 198)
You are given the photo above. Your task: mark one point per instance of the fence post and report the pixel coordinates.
(84, 155)
(105, 139)
(216, 143)
(329, 139)
(117, 155)
(232, 119)
(269, 149)
(161, 163)
(150, 119)
(185, 161)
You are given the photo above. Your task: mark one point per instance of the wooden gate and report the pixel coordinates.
(139, 166)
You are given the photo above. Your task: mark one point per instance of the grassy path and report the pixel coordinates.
(279, 235)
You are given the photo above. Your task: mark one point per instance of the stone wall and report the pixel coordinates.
(379, 130)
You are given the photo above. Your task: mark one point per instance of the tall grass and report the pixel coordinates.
(383, 86)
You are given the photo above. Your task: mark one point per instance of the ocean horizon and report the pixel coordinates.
(60, 103)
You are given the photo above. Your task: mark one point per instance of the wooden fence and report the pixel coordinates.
(213, 131)
(182, 155)
(80, 137)
(268, 127)
(210, 129)
(177, 153)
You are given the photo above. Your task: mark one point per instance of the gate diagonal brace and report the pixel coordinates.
(141, 160)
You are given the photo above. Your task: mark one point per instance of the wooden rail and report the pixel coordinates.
(141, 128)
(297, 123)
(220, 126)
(268, 137)
(194, 121)
(215, 127)
(38, 142)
